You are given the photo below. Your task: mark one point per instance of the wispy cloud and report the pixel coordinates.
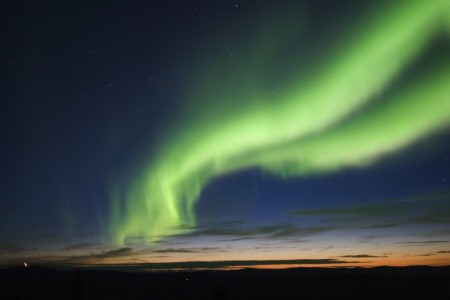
(423, 242)
(237, 239)
(366, 210)
(8, 248)
(115, 253)
(79, 246)
(11, 249)
(423, 209)
(190, 250)
(280, 230)
(176, 250)
(192, 265)
(363, 256)
(429, 254)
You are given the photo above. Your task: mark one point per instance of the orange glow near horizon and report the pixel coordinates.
(397, 260)
(323, 253)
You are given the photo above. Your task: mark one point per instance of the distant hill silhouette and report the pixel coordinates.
(300, 283)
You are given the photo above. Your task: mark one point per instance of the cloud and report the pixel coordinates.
(115, 253)
(417, 210)
(192, 265)
(423, 242)
(176, 250)
(326, 248)
(274, 231)
(189, 250)
(385, 225)
(428, 254)
(79, 246)
(237, 239)
(363, 256)
(11, 249)
(420, 255)
(421, 209)
(360, 210)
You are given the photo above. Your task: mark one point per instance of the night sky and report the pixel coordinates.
(238, 133)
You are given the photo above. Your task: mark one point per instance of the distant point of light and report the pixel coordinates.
(302, 130)
(25, 264)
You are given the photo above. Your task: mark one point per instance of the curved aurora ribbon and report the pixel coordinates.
(309, 128)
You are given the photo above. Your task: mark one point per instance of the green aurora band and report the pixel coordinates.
(320, 124)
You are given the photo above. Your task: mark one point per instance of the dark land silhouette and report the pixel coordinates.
(300, 283)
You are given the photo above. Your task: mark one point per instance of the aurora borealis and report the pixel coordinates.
(307, 129)
(299, 133)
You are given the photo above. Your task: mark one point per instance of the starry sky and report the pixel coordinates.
(224, 134)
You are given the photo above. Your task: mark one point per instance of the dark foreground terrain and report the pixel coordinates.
(303, 283)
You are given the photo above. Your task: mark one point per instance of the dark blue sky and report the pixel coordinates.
(92, 93)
